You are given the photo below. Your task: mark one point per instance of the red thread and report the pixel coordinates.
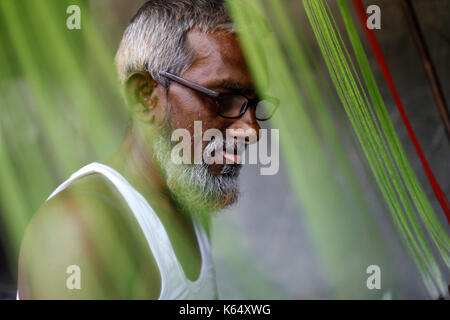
(379, 56)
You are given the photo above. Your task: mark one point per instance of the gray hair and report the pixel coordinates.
(154, 40)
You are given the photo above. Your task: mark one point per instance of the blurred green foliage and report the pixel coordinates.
(61, 107)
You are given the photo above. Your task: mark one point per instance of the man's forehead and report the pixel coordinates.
(215, 44)
(217, 56)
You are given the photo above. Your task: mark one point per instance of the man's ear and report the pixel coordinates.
(141, 95)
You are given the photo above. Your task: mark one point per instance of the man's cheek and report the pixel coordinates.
(197, 142)
(201, 138)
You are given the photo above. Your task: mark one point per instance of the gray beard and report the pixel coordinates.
(195, 189)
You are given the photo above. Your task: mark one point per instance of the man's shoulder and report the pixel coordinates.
(83, 200)
(91, 202)
(90, 223)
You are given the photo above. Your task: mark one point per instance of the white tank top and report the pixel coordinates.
(174, 284)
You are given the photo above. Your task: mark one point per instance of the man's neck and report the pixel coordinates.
(136, 163)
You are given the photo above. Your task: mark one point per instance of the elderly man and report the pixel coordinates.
(138, 226)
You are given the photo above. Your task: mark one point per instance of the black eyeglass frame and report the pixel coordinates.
(215, 96)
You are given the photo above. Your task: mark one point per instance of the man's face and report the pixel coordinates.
(219, 65)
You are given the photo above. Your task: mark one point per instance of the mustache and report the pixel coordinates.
(231, 145)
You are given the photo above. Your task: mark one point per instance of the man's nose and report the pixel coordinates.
(245, 127)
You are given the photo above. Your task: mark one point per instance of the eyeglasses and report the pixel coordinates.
(231, 105)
